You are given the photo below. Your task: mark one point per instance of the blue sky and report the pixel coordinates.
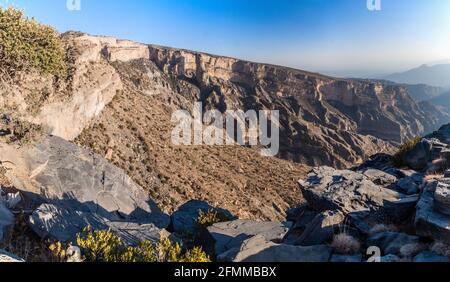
(334, 36)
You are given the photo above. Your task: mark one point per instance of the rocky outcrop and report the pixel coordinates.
(222, 237)
(324, 120)
(76, 188)
(184, 220)
(6, 222)
(259, 249)
(6, 257)
(353, 192)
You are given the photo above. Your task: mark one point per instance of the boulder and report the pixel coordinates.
(418, 157)
(445, 155)
(10, 200)
(380, 177)
(6, 222)
(429, 222)
(65, 179)
(63, 224)
(442, 198)
(344, 258)
(407, 186)
(259, 249)
(224, 236)
(301, 221)
(390, 258)
(391, 242)
(320, 229)
(428, 256)
(443, 134)
(7, 257)
(330, 189)
(183, 221)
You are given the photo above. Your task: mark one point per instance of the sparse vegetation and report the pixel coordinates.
(345, 244)
(26, 44)
(105, 246)
(206, 219)
(398, 158)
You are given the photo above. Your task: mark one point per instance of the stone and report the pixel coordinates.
(380, 177)
(6, 222)
(64, 179)
(10, 200)
(259, 249)
(321, 228)
(8, 257)
(390, 258)
(445, 155)
(224, 236)
(428, 256)
(344, 258)
(429, 222)
(391, 242)
(183, 221)
(407, 186)
(442, 198)
(447, 173)
(330, 189)
(62, 224)
(418, 157)
(443, 134)
(302, 220)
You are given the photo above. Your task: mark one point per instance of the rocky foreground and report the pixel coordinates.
(374, 212)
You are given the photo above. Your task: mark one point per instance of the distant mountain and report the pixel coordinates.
(423, 92)
(435, 75)
(442, 100)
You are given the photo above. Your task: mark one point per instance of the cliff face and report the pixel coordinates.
(323, 120)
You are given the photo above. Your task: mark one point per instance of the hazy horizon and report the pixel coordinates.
(340, 38)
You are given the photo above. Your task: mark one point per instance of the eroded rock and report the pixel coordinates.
(259, 249)
(224, 236)
(183, 221)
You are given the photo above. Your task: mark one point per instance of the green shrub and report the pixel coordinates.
(105, 246)
(206, 219)
(26, 44)
(398, 158)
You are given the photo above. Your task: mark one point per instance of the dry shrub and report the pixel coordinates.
(411, 250)
(345, 244)
(26, 44)
(441, 248)
(378, 228)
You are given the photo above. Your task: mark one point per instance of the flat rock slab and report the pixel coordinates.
(391, 242)
(74, 188)
(430, 222)
(344, 258)
(442, 198)
(320, 229)
(70, 177)
(228, 235)
(6, 221)
(54, 222)
(258, 249)
(428, 257)
(330, 189)
(447, 173)
(380, 177)
(407, 186)
(6, 257)
(183, 221)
